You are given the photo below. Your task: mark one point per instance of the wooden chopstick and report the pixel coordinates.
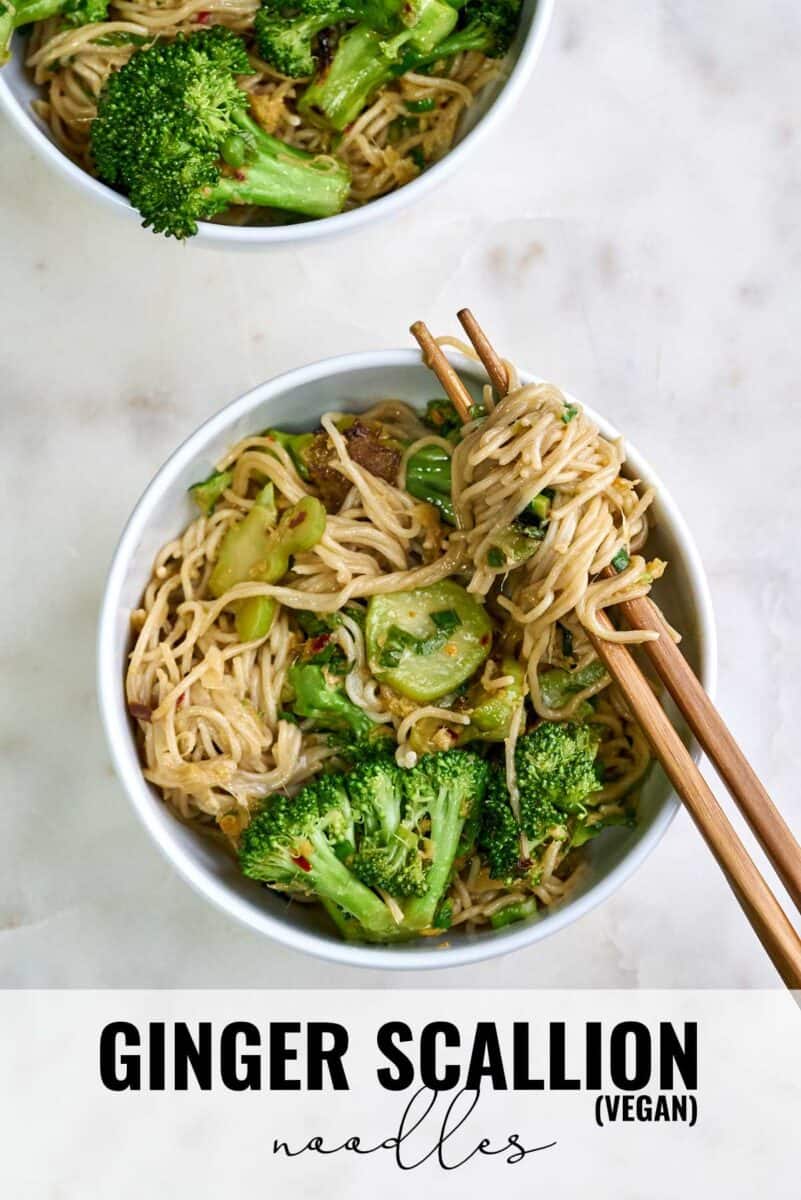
(434, 358)
(756, 899)
(766, 822)
(493, 363)
(770, 923)
(706, 723)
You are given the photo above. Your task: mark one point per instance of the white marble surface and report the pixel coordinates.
(632, 233)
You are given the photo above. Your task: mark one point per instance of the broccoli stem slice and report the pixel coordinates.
(14, 13)
(279, 176)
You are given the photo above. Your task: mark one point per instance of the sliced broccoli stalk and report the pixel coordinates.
(16, 13)
(428, 477)
(207, 493)
(173, 130)
(441, 794)
(326, 704)
(291, 846)
(297, 446)
(492, 712)
(558, 686)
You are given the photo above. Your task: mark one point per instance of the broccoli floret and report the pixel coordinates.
(324, 702)
(555, 768)
(485, 25)
(15, 13)
(173, 130)
(499, 832)
(364, 60)
(295, 844)
(555, 771)
(374, 827)
(388, 854)
(289, 43)
(441, 793)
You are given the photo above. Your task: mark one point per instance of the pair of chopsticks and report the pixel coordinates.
(770, 923)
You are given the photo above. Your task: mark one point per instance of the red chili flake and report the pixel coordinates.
(319, 643)
(203, 18)
(240, 175)
(142, 712)
(302, 862)
(485, 639)
(300, 517)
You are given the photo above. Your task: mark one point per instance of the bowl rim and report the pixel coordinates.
(124, 753)
(211, 234)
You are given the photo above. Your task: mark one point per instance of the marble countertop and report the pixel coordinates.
(632, 233)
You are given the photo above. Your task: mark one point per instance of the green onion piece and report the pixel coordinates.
(420, 106)
(418, 157)
(570, 412)
(541, 506)
(446, 620)
(495, 557)
(621, 560)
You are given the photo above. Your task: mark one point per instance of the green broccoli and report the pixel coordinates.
(558, 686)
(441, 793)
(499, 832)
(555, 771)
(374, 827)
(364, 60)
(317, 698)
(15, 13)
(173, 130)
(388, 854)
(290, 42)
(485, 25)
(555, 768)
(296, 845)
(297, 446)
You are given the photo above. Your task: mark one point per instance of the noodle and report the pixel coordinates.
(215, 737)
(381, 148)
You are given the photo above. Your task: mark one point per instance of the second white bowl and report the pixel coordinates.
(17, 91)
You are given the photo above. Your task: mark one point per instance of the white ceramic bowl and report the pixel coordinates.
(17, 92)
(296, 401)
